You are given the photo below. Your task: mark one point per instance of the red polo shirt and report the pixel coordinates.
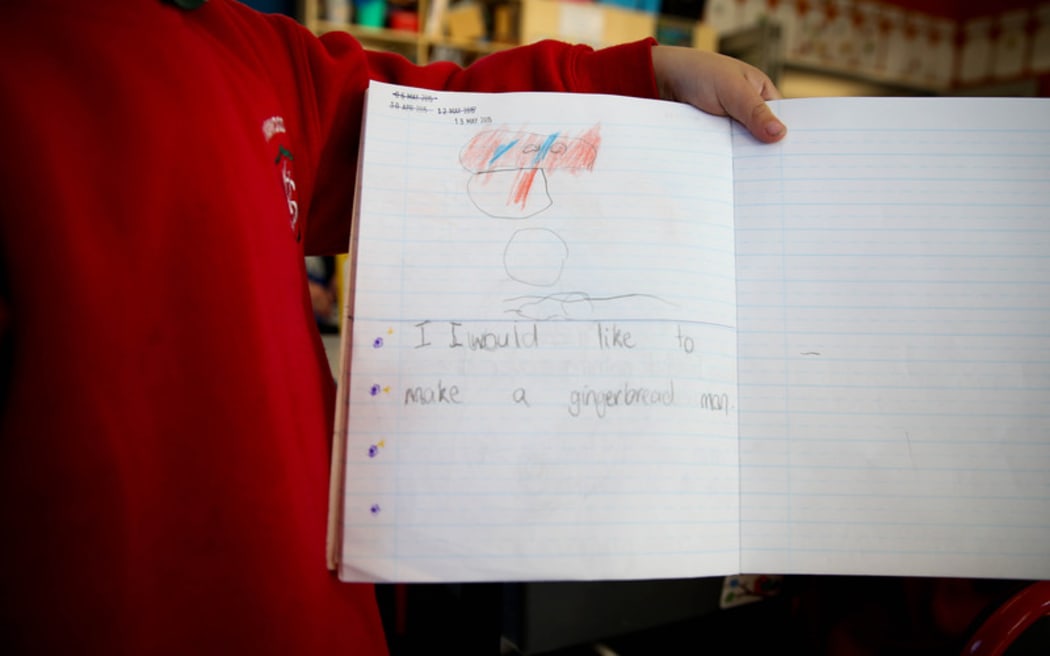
(165, 402)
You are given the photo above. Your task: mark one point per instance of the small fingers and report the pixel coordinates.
(720, 85)
(764, 124)
(746, 102)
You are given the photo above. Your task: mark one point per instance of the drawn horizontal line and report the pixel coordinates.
(487, 320)
(903, 468)
(841, 438)
(796, 522)
(575, 523)
(910, 204)
(780, 494)
(358, 555)
(852, 550)
(857, 333)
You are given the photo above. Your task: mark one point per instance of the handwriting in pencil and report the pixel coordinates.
(600, 400)
(437, 394)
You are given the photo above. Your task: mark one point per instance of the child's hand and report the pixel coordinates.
(719, 85)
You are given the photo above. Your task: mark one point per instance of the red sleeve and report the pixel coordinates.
(625, 69)
(336, 70)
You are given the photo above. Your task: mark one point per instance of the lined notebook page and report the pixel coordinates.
(544, 352)
(894, 291)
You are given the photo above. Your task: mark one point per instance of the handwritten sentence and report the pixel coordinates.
(581, 401)
(596, 400)
(452, 334)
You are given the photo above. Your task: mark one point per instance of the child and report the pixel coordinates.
(165, 402)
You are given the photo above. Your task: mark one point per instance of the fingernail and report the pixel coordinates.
(774, 128)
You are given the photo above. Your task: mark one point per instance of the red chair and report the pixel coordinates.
(995, 635)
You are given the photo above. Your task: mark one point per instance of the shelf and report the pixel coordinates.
(370, 34)
(416, 45)
(597, 24)
(475, 47)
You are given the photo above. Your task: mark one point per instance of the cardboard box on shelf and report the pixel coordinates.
(465, 22)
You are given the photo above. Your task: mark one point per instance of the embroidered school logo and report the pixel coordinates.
(283, 159)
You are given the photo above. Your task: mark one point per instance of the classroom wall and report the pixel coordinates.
(932, 46)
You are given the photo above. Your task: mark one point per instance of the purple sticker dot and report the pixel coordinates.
(374, 390)
(378, 343)
(373, 451)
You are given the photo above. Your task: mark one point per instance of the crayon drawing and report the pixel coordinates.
(510, 172)
(510, 169)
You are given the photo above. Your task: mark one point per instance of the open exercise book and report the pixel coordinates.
(595, 337)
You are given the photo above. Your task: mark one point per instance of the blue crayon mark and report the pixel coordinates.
(545, 148)
(373, 451)
(377, 343)
(374, 390)
(500, 150)
(375, 509)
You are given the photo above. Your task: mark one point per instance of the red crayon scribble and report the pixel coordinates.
(528, 153)
(523, 185)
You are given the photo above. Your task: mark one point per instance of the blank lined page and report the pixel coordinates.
(543, 365)
(894, 339)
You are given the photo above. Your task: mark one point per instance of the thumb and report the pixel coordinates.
(747, 104)
(763, 123)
